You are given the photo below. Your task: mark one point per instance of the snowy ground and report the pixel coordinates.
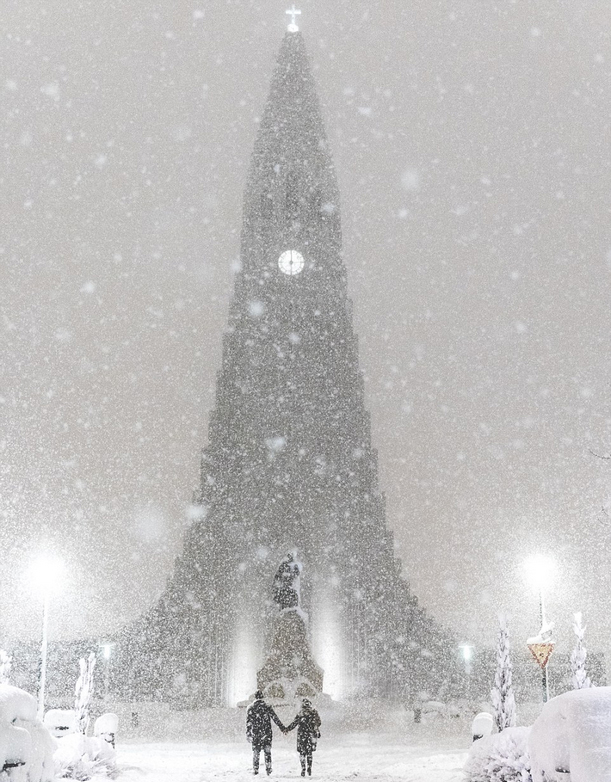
(418, 758)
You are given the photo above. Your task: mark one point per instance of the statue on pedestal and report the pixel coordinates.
(286, 583)
(290, 670)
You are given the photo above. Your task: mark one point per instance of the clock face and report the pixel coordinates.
(291, 262)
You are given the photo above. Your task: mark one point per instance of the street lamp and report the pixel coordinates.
(46, 574)
(539, 570)
(467, 654)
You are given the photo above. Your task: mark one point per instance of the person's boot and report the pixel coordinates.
(309, 765)
(303, 765)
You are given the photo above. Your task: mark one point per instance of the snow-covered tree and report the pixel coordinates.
(503, 699)
(83, 692)
(5, 667)
(579, 677)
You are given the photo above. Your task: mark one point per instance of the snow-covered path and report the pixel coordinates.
(358, 757)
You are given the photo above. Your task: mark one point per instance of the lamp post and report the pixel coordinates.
(45, 574)
(539, 570)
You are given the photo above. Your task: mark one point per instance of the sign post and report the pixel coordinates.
(542, 651)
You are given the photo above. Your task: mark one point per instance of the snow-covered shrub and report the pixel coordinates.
(502, 757)
(502, 696)
(571, 735)
(81, 757)
(579, 677)
(83, 692)
(23, 738)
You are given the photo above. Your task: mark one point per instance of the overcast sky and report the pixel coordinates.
(473, 151)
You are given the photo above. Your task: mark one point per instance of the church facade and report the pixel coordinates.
(289, 465)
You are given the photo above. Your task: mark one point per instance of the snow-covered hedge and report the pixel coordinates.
(573, 735)
(502, 757)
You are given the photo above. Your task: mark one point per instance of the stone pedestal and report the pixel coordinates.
(290, 671)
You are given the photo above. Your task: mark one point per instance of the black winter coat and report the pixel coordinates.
(259, 723)
(308, 725)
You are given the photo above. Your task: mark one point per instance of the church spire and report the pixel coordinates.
(292, 28)
(291, 200)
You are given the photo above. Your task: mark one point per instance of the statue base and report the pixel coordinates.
(290, 670)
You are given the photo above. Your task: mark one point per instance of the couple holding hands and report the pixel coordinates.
(259, 732)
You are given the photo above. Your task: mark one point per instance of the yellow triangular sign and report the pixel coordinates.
(541, 652)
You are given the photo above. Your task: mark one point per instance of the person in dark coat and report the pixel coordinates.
(307, 723)
(259, 731)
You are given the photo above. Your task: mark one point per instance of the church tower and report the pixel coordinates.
(289, 464)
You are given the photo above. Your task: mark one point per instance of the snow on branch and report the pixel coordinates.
(503, 699)
(83, 692)
(579, 677)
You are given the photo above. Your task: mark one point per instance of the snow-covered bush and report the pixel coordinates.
(579, 677)
(23, 738)
(81, 757)
(502, 696)
(502, 757)
(571, 735)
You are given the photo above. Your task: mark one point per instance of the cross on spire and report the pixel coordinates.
(293, 13)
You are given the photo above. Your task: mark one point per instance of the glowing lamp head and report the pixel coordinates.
(47, 574)
(106, 651)
(539, 570)
(467, 652)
